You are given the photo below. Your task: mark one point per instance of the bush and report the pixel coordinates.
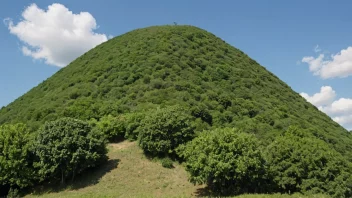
(16, 168)
(113, 127)
(132, 123)
(227, 160)
(13, 193)
(66, 147)
(302, 163)
(164, 129)
(167, 163)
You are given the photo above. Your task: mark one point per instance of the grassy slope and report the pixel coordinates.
(129, 174)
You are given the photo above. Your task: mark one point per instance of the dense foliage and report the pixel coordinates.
(164, 129)
(226, 160)
(66, 147)
(167, 65)
(301, 163)
(165, 85)
(16, 168)
(112, 127)
(229, 161)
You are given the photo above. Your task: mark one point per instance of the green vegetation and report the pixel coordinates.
(226, 160)
(301, 163)
(129, 173)
(185, 95)
(164, 129)
(167, 163)
(16, 168)
(112, 127)
(58, 150)
(66, 147)
(168, 65)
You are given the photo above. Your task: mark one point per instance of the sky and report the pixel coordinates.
(307, 44)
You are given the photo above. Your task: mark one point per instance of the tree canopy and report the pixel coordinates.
(299, 162)
(164, 129)
(66, 147)
(16, 168)
(227, 160)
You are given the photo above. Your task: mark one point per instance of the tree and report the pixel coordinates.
(66, 147)
(299, 162)
(112, 127)
(132, 123)
(164, 129)
(227, 160)
(16, 168)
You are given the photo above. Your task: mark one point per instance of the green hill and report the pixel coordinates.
(167, 65)
(187, 96)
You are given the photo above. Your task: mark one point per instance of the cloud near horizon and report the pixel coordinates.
(338, 65)
(339, 110)
(55, 35)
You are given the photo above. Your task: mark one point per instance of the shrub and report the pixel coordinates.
(227, 160)
(132, 123)
(113, 127)
(66, 147)
(163, 130)
(13, 193)
(16, 168)
(302, 163)
(167, 163)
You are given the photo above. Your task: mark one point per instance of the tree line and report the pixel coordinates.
(228, 160)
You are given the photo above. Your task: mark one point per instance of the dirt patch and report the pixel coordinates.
(122, 145)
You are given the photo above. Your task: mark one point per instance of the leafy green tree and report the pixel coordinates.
(299, 162)
(227, 160)
(132, 123)
(164, 129)
(16, 168)
(66, 147)
(113, 127)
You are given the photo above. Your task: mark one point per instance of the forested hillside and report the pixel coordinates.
(170, 65)
(209, 84)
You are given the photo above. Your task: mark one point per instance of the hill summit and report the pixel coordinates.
(167, 65)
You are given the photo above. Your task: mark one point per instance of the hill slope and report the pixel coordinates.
(168, 65)
(129, 173)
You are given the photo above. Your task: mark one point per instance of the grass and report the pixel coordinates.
(128, 173)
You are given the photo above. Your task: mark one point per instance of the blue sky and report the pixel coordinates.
(287, 37)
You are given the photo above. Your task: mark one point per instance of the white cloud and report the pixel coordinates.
(315, 64)
(324, 97)
(338, 65)
(342, 106)
(344, 119)
(340, 110)
(317, 49)
(56, 35)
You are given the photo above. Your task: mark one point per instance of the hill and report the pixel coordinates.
(167, 65)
